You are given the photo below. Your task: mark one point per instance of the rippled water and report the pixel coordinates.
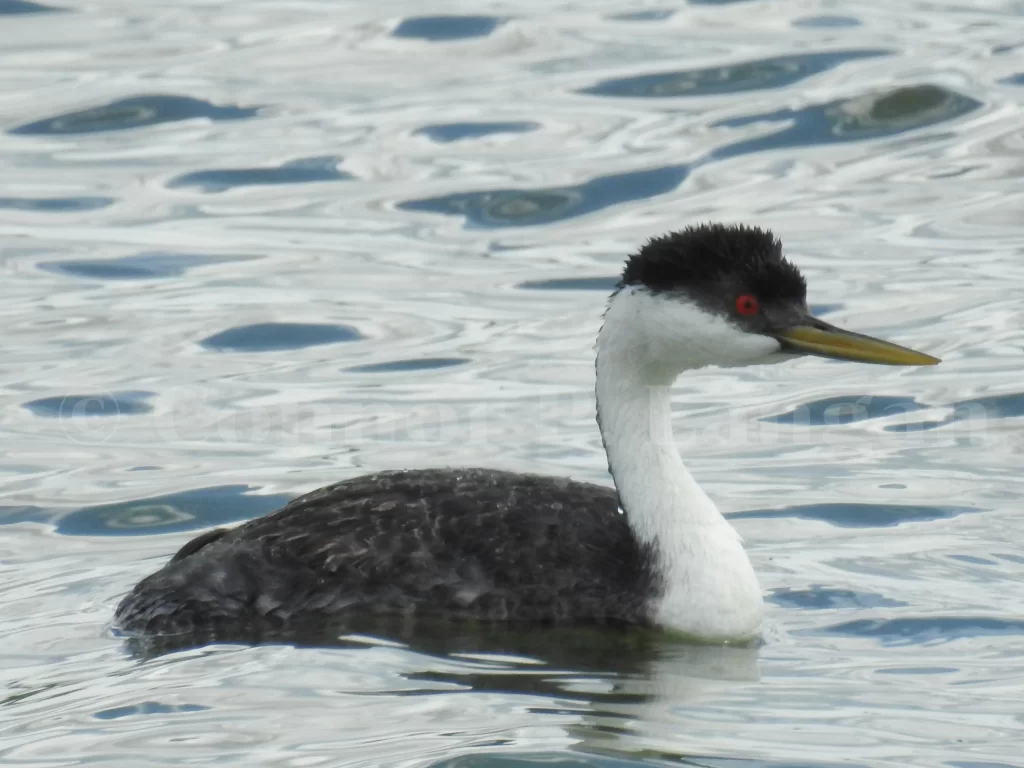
(252, 248)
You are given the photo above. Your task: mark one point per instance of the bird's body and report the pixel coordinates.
(498, 546)
(476, 543)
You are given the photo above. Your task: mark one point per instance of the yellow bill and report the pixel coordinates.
(824, 340)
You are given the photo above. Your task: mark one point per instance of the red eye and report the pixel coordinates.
(747, 304)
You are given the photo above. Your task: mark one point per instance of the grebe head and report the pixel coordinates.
(726, 296)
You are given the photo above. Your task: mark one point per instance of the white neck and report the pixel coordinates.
(708, 588)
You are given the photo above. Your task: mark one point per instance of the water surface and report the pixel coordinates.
(251, 249)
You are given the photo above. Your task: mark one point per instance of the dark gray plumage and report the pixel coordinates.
(470, 542)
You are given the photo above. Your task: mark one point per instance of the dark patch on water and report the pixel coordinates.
(147, 708)
(1017, 79)
(532, 207)
(440, 28)
(1008, 406)
(851, 515)
(867, 117)
(972, 560)
(762, 74)
(584, 760)
(927, 629)
(23, 514)
(917, 671)
(1001, 50)
(265, 337)
(16, 7)
(404, 366)
(142, 266)
(543, 759)
(604, 284)
(652, 15)
(914, 426)
(826, 21)
(449, 132)
(821, 598)
(740, 762)
(184, 511)
(845, 409)
(304, 171)
(91, 406)
(135, 112)
(56, 204)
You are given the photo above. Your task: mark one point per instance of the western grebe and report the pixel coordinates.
(492, 545)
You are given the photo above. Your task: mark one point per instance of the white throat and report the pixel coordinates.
(708, 589)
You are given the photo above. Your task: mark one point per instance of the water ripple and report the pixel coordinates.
(530, 208)
(57, 204)
(448, 132)
(405, 366)
(775, 72)
(135, 112)
(266, 337)
(825, 598)
(848, 515)
(846, 409)
(652, 15)
(141, 266)
(866, 117)
(303, 171)
(603, 284)
(183, 511)
(147, 708)
(110, 405)
(930, 629)
(443, 28)
(976, 409)
(826, 21)
(13, 7)
(579, 760)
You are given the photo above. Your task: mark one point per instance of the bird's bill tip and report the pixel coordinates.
(823, 340)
